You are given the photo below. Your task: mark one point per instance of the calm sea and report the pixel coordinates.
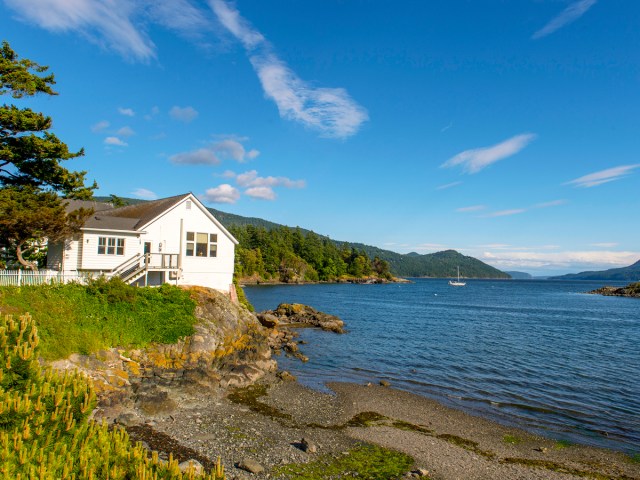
(539, 355)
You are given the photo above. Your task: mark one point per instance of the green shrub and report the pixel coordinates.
(44, 431)
(76, 318)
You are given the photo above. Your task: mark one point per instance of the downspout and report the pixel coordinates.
(180, 252)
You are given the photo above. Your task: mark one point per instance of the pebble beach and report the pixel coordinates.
(265, 425)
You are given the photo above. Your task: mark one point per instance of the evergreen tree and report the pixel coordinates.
(31, 177)
(29, 153)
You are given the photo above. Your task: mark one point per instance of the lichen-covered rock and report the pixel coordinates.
(229, 348)
(304, 315)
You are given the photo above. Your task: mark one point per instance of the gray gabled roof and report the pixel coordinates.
(134, 218)
(140, 214)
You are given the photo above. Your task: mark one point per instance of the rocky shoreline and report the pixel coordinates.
(631, 290)
(264, 426)
(218, 394)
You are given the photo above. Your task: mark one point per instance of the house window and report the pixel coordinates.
(188, 204)
(202, 244)
(110, 246)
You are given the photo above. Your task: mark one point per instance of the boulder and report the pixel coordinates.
(250, 466)
(304, 315)
(267, 320)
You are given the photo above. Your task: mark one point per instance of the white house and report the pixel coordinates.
(170, 240)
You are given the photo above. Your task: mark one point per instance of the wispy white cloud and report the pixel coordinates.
(115, 141)
(472, 208)
(506, 213)
(215, 153)
(447, 127)
(570, 14)
(573, 260)
(448, 185)
(233, 149)
(109, 24)
(183, 114)
(605, 245)
(125, 132)
(180, 16)
(262, 193)
(201, 156)
(429, 246)
(100, 126)
(552, 203)
(331, 111)
(603, 176)
(224, 193)
(152, 113)
(127, 112)
(251, 179)
(513, 211)
(145, 194)
(495, 246)
(237, 25)
(474, 160)
(504, 246)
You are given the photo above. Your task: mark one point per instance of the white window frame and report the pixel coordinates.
(111, 246)
(201, 245)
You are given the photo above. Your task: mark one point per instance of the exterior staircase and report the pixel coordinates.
(137, 266)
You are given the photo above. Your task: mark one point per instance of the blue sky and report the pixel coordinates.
(509, 131)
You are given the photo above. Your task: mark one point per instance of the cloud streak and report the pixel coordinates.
(603, 176)
(569, 15)
(474, 160)
(330, 111)
(183, 114)
(215, 153)
(145, 194)
(115, 141)
(575, 260)
(448, 185)
(115, 25)
(262, 187)
(472, 208)
(224, 193)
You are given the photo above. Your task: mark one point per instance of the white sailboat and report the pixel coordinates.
(457, 283)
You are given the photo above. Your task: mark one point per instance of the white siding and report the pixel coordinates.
(91, 260)
(214, 272)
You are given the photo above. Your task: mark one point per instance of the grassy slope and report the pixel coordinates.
(77, 319)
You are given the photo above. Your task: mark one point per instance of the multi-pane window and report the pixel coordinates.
(110, 246)
(202, 244)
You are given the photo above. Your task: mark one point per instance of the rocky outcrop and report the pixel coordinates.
(296, 314)
(631, 290)
(230, 348)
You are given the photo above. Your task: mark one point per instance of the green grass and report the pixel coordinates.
(74, 318)
(560, 444)
(634, 458)
(511, 439)
(367, 462)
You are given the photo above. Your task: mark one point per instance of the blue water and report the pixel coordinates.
(539, 355)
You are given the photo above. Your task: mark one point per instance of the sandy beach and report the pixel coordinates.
(266, 423)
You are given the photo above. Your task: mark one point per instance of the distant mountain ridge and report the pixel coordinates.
(438, 265)
(630, 273)
(520, 275)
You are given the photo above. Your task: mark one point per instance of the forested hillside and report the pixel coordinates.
(277, 252)
(292, 255)
(630, 273)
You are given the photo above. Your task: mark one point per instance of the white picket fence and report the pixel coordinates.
(17, 278)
